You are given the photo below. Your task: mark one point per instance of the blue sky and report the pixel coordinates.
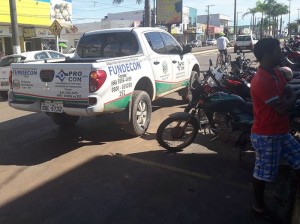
(93, 10)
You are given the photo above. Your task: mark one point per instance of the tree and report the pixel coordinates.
(252, 12)
(281, 9)
(262, 7)
(147, 19)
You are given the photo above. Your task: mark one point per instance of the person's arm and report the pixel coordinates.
(228, 43)
(286, 102)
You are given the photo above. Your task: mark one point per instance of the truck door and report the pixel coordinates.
(169, 65)
(161, 63)
(179, 61)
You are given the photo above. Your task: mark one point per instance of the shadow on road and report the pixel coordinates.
(34, 139)
(150, 187)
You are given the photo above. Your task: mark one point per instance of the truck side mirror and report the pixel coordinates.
(187, 49)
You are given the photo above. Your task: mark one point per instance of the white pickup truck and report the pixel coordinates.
(244, 42)
(116, 71)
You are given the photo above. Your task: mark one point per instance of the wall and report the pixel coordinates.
(38, 12)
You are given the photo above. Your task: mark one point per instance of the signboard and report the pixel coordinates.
(55, 28)
(29, 32)
(6, 31)
(38, 12)
(61, 10)
(169, 12)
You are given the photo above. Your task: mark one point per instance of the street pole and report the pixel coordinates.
(207, 26)
(289, 26)
(237, 22)
(234, 21)
(298, 22)
(14, 26)
(147, 9)
(154, 13)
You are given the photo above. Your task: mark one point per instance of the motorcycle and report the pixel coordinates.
(243, 67)
(227, 115)
(291, 59)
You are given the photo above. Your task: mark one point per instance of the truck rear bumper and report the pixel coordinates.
(4, 85)
(68, 108)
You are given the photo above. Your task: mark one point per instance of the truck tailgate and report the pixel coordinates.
(51, 81)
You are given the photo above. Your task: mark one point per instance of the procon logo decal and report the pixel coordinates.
(70, 76)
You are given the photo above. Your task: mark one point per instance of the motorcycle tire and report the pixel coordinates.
(171, 136)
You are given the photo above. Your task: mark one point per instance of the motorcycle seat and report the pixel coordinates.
(248, 107)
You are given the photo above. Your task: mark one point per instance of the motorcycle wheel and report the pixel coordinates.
(174, 135)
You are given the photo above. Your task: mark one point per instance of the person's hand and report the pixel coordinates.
(283, 106)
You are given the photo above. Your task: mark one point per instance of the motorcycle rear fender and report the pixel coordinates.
(185, 116)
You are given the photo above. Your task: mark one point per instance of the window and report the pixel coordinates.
(41, 55)
(56, 55)
(156, 43)
(172, 46)
(243, 38)
(129, 47)
(107, 45)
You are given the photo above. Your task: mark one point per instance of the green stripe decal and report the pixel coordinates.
(118, 104)
(162, 87)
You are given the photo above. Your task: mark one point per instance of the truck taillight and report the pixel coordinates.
(10, 78)
(97, 78)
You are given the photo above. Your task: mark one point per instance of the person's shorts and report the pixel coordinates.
(269, 149)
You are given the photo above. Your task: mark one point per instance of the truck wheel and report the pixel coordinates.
(64, 120)
(184, 93)
(140, 114)
(4, 94)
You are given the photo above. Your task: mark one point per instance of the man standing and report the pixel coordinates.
(272, 98)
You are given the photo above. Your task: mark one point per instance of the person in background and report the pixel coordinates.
(222, 43)
(272, 98)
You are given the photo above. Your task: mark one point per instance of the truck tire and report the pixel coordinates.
(141, 110)
(4, 94)
(63, 120)
(185, 93)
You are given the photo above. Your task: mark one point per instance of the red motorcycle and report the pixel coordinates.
(293, 55)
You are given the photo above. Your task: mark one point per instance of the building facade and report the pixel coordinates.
(34, 19)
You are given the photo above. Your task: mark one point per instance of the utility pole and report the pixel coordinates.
(207, 25)
(147, 9)
(154, 14)
(237, 22)
(298, 22)
(14, 26)
(234, 21)
(289, 26)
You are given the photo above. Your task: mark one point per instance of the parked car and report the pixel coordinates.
(196, 43)
(70, 52)
(211, 42)
(6, 61)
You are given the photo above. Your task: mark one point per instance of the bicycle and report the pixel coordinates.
(221, 63)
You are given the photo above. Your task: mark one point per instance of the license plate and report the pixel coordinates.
(52, 107)
(4, 84)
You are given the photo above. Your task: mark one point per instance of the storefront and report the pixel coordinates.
(6, 46)
(38, 39)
